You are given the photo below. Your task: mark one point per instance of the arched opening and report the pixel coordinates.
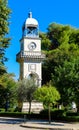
(35, 77)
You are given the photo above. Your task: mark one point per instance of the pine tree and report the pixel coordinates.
(4, 30)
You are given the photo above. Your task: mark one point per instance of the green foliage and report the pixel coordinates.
(7, 86)
(62, 67)
(58, 34)
(13, 114)
(62, 61)
(66, 79)
(4, 30)
(57, 57)
(62, 34)
(25, 89)
(47, 95)
(5, 79)
(2, 69)
(46, 43)
(55, 114)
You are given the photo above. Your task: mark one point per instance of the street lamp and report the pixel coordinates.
(7, 102)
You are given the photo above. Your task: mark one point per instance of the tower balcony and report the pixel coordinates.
(28, 55)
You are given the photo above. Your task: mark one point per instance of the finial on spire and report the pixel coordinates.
(30, 15)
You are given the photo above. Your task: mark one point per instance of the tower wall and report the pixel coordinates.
(26, 41)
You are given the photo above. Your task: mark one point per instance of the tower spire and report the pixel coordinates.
(30, 14)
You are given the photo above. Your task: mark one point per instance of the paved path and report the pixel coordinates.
(52, 126)
(19, 124)
(12, 124)
(14, 127)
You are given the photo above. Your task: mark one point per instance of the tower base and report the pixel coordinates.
(36, 107)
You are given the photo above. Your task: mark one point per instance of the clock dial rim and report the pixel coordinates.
(32, 46)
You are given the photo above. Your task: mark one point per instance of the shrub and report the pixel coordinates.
(2, 110)
(55, 114)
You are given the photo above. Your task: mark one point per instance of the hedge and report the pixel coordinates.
(57, 115)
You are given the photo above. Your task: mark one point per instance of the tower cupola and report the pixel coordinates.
(30, 27)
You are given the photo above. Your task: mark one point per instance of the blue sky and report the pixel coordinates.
(46, 12)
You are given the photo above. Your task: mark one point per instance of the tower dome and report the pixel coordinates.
(31, 22)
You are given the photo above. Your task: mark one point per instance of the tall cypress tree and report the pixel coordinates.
(4, 30)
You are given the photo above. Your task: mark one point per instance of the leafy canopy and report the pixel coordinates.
(25, 90)
(47, 94)
(4, 30)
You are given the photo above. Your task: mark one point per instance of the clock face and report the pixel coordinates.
(32, 46)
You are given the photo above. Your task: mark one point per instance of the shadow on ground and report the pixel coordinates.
(4, 120)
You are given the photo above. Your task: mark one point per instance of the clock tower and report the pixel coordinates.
(30, 56)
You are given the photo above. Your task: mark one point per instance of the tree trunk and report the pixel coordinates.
(20, 104)
(49, 113)
(29, 109)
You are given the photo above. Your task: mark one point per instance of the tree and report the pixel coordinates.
(58, 34)
(66, 79)
(7, 90)
(62, 61)
(47, 95)
(61, 66)
(60, 37)
(46, 42)
(54, 58)
(26, 88)
(4, 30)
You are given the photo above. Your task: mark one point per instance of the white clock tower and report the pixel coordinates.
(30, 56)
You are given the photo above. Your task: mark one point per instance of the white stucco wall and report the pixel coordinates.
(28, 71)
(27, 41)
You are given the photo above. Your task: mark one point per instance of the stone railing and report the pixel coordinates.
(29, 54)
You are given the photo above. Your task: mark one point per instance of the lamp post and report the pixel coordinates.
(7, 102)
